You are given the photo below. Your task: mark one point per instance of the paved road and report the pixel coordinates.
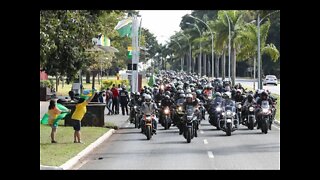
(249, 82)
(244, 149)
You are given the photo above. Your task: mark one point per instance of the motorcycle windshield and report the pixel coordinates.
(229, 108)
(189, 110)
(265, 104)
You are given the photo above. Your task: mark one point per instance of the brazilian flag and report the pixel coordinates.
(151, 81)
(62, 115)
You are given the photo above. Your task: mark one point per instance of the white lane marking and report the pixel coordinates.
(201, 132)
(205, 141)
(210, 154)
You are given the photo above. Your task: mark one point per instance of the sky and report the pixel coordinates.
(162, 23)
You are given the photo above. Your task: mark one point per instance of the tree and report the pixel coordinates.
(64, 36)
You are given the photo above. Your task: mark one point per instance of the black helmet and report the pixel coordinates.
(250, 97)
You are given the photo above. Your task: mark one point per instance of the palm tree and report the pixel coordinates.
(221, 27)
(248, 37)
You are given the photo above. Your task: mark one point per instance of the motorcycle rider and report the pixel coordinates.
(229, 102)
(247, 103)
(188, 102)
(264, 97)
(166, 102)
(149, 108)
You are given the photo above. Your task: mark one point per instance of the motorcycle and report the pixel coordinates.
(228, 121)
(238, 111)
(214, 116)
(190, 124)
(250, 120)
(266, 115)
(147, 127)
(166, 118)
(137, 116)
(178, 114)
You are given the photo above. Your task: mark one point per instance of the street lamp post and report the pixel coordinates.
(229, 48)
(212, 56)
(199, 63)
(180, 50)
(259, 57)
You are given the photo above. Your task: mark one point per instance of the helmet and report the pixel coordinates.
(167, 97)
(218, 94)
(137, 94)
(264, 94)
(227, 95)
(188, 90)
(147, 98)
(167, 93)
(189, 96)
(180, 91)
(182, 96)
(250, 97)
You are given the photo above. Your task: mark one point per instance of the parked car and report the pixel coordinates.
(270, 79)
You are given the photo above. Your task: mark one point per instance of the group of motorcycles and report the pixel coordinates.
(216, 97)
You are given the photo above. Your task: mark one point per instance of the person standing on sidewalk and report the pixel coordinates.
(115, 99)
(109, 96)
(78, 114)
(124, 99)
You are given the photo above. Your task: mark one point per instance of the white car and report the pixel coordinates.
(270, 79)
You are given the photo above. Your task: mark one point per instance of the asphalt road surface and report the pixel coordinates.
(128, 149)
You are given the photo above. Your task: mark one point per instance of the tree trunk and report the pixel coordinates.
(57, 83)
(99, 78)
(217, 66)
(223, 71)
(87, 77)
(94, 73)
(205, 64)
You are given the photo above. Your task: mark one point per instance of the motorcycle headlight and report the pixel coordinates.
(229, 113)
(218, 109)
(250, 108)
(265, 110)
(134, 106)
(223, 114)
(239, 106)
(180, 108)
(166, 111)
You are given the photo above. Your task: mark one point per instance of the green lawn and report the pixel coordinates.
(59, 153)
(63, 91)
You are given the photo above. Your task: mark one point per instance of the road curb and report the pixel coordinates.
(277, 122)
(73, 161)
(42, 167)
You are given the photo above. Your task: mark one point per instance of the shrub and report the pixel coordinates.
(108, 83)
(45, 83)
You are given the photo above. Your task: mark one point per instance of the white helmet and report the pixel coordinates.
(189, 95)
(147, 98)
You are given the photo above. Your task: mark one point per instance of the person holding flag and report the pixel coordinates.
(78, 114)
(53, 118)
